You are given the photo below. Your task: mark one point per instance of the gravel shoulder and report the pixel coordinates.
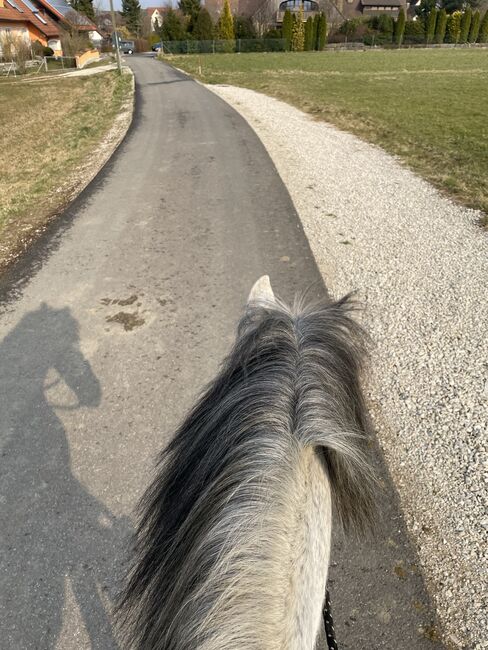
(420, 264)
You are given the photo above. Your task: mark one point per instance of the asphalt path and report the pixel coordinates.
(109, 327)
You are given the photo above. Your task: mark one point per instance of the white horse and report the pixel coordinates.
(233, 543)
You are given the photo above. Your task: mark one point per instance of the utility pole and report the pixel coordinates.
(112, 13)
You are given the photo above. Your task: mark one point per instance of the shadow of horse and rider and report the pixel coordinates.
(54, 534)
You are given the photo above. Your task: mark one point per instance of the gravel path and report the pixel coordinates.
(420, 263)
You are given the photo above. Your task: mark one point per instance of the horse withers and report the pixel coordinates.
(233, 542)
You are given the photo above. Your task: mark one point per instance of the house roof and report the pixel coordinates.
(382, 3)
(151, 10)
(26, 12)
(64, 12)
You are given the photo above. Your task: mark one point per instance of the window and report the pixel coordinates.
(294, 5)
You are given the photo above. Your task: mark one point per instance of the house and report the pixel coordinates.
(156, 15)
(22, 18)
(62, 13)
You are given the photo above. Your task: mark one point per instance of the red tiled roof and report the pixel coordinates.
(48, 27)
(151, 10)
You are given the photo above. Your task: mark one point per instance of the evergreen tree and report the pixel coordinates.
(475, 28)
(454, 27)
(203, 29)
(315, 33)
(466, 19)
(322, 32)
(440, 27)
(85, 7)
(173, 28)
(190, 8)
(430, 26)
(400, 27)
(244, 27)
(298, 34)
(131, 11)
(225, 26)
(287, 28)
(483, 36)
(309, 34)
(425, 8)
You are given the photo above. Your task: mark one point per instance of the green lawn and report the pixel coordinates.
(430, 107)
(49, 129)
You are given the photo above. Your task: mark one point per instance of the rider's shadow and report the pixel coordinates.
(57, 541)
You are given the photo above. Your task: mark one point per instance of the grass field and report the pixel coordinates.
(429, 107)
(49, 128)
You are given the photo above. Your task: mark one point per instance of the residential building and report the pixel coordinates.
(24, 19)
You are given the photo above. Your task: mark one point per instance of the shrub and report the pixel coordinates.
(203, 29)
(454, 27)
(225, 25)
(287, 28)
(414, 32)
(272, 33)
(298, 34)
(400, 27)
(483, 36)
(74, 43)
(315, 31)
(322, 32)
(308, 43)
(440, 27)
(466, 19)
(475, 28)
(430, 26)
(38, 49)
(16, 49)
(244, 28)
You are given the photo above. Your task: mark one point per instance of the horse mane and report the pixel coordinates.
(291, 382)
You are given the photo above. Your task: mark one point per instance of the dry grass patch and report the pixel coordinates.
(50, 129)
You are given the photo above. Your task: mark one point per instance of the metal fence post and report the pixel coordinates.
(187, 48)
(213, 46)
(239, 45)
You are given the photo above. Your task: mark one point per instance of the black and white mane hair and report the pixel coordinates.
(233, 542)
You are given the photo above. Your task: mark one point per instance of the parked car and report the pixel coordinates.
(127, 47)
(157, 47)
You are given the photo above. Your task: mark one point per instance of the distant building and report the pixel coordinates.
(156, 15)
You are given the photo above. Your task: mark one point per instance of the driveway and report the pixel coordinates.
(109, 327)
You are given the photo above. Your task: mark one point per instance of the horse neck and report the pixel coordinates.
(271, 583)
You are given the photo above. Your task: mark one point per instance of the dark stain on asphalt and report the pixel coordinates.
(128, 320)
(123, 302)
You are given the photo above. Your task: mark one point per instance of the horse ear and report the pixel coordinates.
(262, 291)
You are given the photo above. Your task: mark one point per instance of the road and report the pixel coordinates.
(109, 327)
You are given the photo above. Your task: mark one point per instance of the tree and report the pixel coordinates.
(173, 28)
(84, 7)
(430, 26)
(466, 19)
(298, 34)
(203, 29)
(483, 37)
(315, 34)
(425, 8)
(131, 11)
(287, 28)
(454, 27)
(190, 8)
(322, 32)
(475, 28)
(308, 44)
(457, 5)
(400, 27)
(244, 27)
(225, 25)
(440, 27)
